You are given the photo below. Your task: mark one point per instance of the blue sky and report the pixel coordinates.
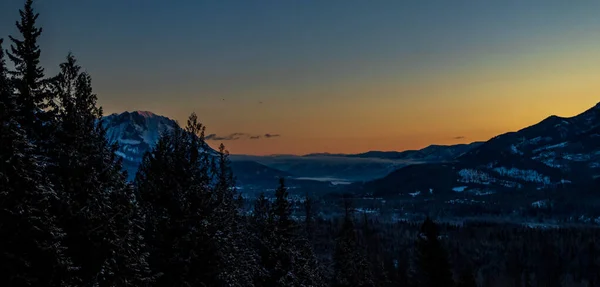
(329, 65)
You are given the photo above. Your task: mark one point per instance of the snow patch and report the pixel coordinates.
(127, 141)
(563, 144)
(514, 150)
(526, 175)
(459, 188)
(540, 203)
(463, 201)
(414, 194)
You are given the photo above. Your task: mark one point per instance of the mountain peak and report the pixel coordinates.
(142, 114)
(145, 114)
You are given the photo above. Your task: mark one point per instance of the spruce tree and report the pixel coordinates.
(350, 265)
(308, 217)
(374, 252)
(432, 268)
(31, 249)
(237, 257)
(28, 76)
(193, 229)
(99, 212)
(282, 211)
(261, 227)
(276, 244)
(287, 258)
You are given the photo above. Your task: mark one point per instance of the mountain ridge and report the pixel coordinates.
(556, 153)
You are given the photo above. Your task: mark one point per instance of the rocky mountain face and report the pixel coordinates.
(555, 154)
(136, 133)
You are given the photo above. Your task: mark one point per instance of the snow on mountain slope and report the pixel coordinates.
(136, 133)
(557, 153)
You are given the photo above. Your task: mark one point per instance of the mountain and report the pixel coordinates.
(136, 133)
(562, 143)
(428, 154)
(555, 154)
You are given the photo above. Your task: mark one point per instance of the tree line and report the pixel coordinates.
(69, 217)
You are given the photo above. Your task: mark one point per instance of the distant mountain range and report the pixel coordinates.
(555, 154)
(138, 131)
(427, 154)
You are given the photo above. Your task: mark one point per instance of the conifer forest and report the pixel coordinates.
(71, 216)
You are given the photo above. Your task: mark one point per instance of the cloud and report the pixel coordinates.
(230, 137)
(459, 137)
(237, 136)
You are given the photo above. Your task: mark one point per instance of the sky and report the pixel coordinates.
(331, 76)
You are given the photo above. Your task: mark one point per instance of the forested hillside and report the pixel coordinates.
(69, 217)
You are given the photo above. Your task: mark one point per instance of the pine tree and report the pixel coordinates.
(100, 215)
(28, 76)
(277, 240)
(193, 228)
(238, 258)
(308, 217)
(350, 265)
(262, 211)
(287, 258)
(282, 210)
(432, 268)
(261, 226)
(374, 252)
(31, 250)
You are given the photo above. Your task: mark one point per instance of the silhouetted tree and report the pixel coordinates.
(432, 268)
(349, 264)
(194, 231)
(374, 253)
(261, 224)
(100, 215)
(308, 217)
(31, 249)
(286, 257)
(31, 95)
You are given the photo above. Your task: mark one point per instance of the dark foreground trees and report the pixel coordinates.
(97, 208)
(68, 217)
(193, 228)
(32, 252)
(432, 268)
(286, 255)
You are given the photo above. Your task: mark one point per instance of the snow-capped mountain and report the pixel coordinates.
(555, 154)
(136, 133)
(562, 143)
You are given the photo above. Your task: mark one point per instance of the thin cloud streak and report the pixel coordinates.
(239, 136)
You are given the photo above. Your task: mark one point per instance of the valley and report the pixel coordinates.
(547, 172)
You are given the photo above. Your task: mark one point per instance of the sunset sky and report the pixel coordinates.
(333, 76)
